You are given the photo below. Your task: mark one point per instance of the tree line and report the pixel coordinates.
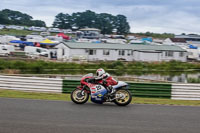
(107, 23)
(17, 18)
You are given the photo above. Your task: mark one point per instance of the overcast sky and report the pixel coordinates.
(159, 16)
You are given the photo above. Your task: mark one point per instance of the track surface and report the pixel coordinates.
(38, 116)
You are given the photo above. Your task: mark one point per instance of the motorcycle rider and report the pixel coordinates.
(105, 79)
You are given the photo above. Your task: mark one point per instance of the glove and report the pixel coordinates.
(92, 80)
(104, 82)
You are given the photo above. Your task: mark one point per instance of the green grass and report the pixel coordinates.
(22, 32)
(33, 95)
(160, 101)
(15, 32)
(66, 97)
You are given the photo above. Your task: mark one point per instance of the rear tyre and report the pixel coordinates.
(79, 98)
(123, 97)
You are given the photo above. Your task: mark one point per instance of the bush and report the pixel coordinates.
(117, 67)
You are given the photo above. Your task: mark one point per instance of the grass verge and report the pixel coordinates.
(34, 95)
(161, 101)
(66, 97)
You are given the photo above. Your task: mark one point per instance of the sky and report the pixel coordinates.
(158, 16)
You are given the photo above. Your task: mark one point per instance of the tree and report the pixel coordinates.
(62, 21)
(84, 19)
(17, 18)
(3, 19)
(122, 25)
(103, 21)
(38, 23)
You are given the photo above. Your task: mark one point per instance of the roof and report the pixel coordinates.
(89, 29)
(194, 36)
(180, 40)
(75, 45)
(47, 41)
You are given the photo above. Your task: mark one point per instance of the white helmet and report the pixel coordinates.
(100, 72)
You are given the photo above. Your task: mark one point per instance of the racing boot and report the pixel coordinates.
(110, 90)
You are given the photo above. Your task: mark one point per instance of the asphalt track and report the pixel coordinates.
(40, 116)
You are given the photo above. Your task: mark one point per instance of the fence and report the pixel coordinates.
(137, 89)
(186, 91)
(157, 90)
(31, 84)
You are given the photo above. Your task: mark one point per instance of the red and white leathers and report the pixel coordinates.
(107, 80)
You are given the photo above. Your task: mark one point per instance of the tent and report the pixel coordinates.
(47, 42)
(28, 43)
(16, 41)
(193, 47)
(147, 39)
(37, 44)
(22, 42)
(63, 36)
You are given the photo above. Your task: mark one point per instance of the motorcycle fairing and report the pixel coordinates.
(120, 84)
(97, 93)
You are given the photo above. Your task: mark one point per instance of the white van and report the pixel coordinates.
(36, 51)
(6, 49)
(193, 54)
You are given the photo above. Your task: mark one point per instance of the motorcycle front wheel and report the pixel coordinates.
(79, 97)
(122, 97)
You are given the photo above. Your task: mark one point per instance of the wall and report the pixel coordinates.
(113, 56)
(147, 56)
(175, 56)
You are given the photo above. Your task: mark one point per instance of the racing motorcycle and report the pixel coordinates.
(99, 93)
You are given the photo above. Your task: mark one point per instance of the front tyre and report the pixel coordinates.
(79, 97)
(122, 97)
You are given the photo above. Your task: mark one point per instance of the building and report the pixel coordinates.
(175, 41)
(193, 54)
(89, 33)
(190, 39)
(112, 52)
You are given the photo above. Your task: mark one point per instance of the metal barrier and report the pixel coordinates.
(186, 91)
(157, 90)
(160, 90)
(31, 84)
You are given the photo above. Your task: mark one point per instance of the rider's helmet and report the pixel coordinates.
(100, 72)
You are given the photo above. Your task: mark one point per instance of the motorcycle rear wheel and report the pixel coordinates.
(125, 99)
(78, 98)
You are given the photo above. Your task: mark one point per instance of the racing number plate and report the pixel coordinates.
(96, 88)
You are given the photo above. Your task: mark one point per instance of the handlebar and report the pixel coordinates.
(90, 80)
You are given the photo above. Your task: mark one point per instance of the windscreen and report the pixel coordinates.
(89, 75)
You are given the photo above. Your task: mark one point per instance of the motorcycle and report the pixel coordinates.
(99, 93)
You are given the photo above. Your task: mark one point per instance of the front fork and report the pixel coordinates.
(83, 89)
